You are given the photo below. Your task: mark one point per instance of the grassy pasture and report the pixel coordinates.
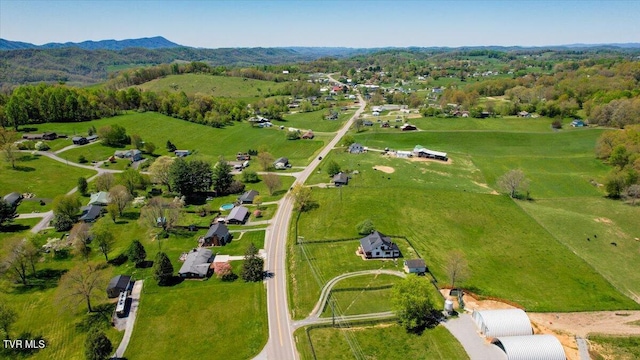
(314, 120)
(219, 86)
(507, 124)
(206, 142)
(614, 347)
(42, 176)
(603, 221)
(383, 341)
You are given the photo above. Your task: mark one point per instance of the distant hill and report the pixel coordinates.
(157, 42)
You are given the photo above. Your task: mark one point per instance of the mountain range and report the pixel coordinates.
(156, 42)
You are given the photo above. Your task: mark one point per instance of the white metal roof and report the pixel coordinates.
(531, 347)
(504, 322)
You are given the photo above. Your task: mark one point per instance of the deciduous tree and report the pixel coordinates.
(8, 316)
(513, 183)
(103, 237)
(412, 304)
(83, 186)
(365, 227)
(457, 267)
(8, 147)
(136, 252)
(265, 160)
(272, 181)
(301, 197)
(160, 171)
(162, 213)
(119, 196)
(80, 237)
(104, 182)
(7, 212)
(83, 283)
(333, 168)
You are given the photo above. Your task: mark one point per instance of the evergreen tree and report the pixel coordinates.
(7, 212)
(136, 252)
(97, 346)
(162, 269)
(222, 177)
(82, 185)
(252, 268)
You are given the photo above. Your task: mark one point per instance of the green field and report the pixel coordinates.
(219, 86)
(384, 341)
(196, 315)
(43, 177)
(441, 207)
(206, 143)
(507, 124)
(314, 120)
(614, 347)
(352, 296)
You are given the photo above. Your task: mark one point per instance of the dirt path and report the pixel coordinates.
(384, 169)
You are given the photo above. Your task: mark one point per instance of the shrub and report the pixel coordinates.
(82, 159)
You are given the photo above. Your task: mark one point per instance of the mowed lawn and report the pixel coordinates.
(211, 318)
(353, 296)
(315, 120)
(508, 123)
(43, 177)
(219, 86)
(205, 142)
(384, 341)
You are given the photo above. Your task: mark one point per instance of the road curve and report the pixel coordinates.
(280, 345)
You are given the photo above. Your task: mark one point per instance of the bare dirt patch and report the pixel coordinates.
(483, 185)
(603, 220)
(384, 169)
(421, 159)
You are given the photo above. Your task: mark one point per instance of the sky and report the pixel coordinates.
(330, 23)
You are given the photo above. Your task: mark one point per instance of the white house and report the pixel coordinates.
(378, 246)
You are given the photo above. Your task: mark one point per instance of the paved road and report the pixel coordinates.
(280, 345)
(583, 348)
(464, 329)
(131, 319)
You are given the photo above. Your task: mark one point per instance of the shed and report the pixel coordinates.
(248, 196)
(356, 148)
(117, 285)
(217, 235)
(281, 163)
(503, 322)
(531, 347)
(92, 138)
(136, 155)
(403, 154)
(182, 153)
(415, 266)
(238, 215)
(340, 179)
(13, 198)
(49, 136)
(196, 264)
(79, 140)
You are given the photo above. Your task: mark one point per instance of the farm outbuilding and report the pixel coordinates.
(531, 347)
(117, 285)
(504, 322)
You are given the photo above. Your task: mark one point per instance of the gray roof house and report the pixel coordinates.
(13, 198)
(238, 215)
(91, 213)
(378, 245)
(248, 196)
(340, 179)
(197, 264)
(416, 266)
(117, 285)
(99, 198)
(356, 148)
(79, 140)
(217, 235)
(281, 163)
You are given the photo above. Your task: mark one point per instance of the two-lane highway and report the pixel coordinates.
(280, 345)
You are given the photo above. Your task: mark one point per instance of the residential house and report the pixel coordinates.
(247, 197)
(367, 123)
(100, 198)
(182, 153)
(578, 123)
(340, 179)
(92, 138)
(79, 140)
(217, 235)
(238, 215)
(117, 285)
(133, 154)
(308, 135)
(91, 213)
(385, 124)
(415, 266)
(49, 136)
(13, 199)
(281, 164)
(197, 264)
(243, 156)
(376, 245)
(524, 114)
(356, 148)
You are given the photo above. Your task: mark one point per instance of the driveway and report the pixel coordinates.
(464, 329)
(131, 319)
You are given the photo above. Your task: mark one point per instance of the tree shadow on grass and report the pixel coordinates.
(173, 281)
(24, 168)
(131, 215)
(121, 222)
(433, 318)
(43, 279)
(144, 264)
(14, 228)
(279, 192)
(28, 157)
(119, 260)
(100, 318)
(7, 352)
